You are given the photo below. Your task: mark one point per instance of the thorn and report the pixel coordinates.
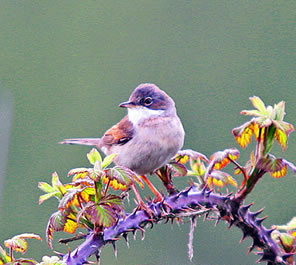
(288, 255)
(260, 260)
(243, 237)
(68, 257)
(217, 221)
(243, 209)
(135, 234)
(259, 221)
(125, 236)
(185, 192)
(75, 255)
(204, 189)
(59, 253)
(254, 214)
(98, 256)
(114, 248)
(231, 223)
(143, 232)
(269, 231)
(208, 192)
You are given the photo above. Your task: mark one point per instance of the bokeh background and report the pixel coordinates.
(66, 65)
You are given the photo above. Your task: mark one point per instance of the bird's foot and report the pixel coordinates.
(144, 207)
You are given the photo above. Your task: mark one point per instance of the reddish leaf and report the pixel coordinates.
(56, 222)
(183, 155)
(18, 242)
(178, 169)
(220, 179)
(222, 158)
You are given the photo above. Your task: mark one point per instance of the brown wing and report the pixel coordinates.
(120, 133)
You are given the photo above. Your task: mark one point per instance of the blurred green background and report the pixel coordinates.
(66, 65)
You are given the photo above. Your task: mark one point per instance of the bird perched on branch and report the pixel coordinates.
(146, 138)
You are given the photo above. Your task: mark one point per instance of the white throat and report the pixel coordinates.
(136, 115)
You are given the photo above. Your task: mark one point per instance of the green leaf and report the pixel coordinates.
(251, 113)
(108, 160)
(47, 196)
(94, 156)
(123, 175)
(4, 257)
(101, 215)
(258, 104)
(178, 169)
(46, 187)
(57, 184)
(291, 225)
(287, 241)
(279, 111)
(18, 242)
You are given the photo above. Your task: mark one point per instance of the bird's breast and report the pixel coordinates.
(154, 143)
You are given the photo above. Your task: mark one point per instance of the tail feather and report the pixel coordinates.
(83, 141)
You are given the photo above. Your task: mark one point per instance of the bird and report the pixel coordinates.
(146, 138)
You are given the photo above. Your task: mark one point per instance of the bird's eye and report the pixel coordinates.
(147, 101)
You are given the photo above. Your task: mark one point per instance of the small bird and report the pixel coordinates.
(147, 137)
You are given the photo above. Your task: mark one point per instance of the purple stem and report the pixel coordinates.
(191, 198)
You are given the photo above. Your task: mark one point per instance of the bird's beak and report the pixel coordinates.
(128, 104)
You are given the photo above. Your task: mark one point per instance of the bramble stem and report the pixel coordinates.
(242, 193)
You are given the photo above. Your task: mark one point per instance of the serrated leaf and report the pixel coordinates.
(178, 169)
(183, 154)
(94, 156)
(70, 225)
(287, 241)
(279, 111)
(255, 113)
(198, 168)
(275, 166)
(56, 222)
(24, 261)
(4, 257)
(18, 245)
(47, 196)
(108, 160)
(220, 179)
(101, 215)
(77, 171)
(57, 184)
(120, 177)
(222, 158)
(290, 226)
(28, 235)
(279, 173)
(282, 138)
(258, 104)
(243, 134)
(46, 187)
(69, 199)
(18, 242)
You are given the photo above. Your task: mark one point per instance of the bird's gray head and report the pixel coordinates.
(148, 100)
(149, 96)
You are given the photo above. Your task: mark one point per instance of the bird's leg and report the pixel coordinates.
(156, 193)
(141, 203)
(166, 178)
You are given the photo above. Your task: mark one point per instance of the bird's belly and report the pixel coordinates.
(149, 150)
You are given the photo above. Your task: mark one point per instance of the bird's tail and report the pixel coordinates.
(83, 141)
